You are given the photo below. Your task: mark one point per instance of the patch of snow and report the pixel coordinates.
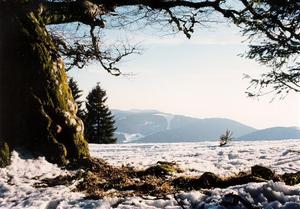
(131, 137)
(168, 117)
(17, 180)
(147, 123)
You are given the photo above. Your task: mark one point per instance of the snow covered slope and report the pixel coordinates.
(17, 191)
(153, 126)
(275, 133)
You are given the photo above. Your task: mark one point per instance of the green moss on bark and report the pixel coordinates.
(4, 155)
(37, 108)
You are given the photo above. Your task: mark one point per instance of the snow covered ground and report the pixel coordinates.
(17, 191)
(197, 158)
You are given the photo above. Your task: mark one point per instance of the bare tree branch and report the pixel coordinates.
(273, 28)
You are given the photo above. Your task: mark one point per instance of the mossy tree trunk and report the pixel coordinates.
(37, 110)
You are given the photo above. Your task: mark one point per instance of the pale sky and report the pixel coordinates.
(201, 77)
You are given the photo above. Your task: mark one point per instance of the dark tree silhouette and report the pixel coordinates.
(273, 29)
(77, 93)
(99, 122)
(37, 34)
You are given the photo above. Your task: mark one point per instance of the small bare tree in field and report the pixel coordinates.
(226, 137)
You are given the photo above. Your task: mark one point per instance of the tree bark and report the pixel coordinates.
(37, 110)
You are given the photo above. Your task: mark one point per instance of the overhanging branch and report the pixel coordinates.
(75, 11)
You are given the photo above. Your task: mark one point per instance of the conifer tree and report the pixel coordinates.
(77, 93)
(99, 121)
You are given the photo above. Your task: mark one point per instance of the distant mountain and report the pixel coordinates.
(153, 126)
(144, 123)
(199, 130)
(274, 133)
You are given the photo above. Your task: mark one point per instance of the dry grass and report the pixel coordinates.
(99, 179)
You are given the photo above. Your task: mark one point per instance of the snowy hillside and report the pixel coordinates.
(275, 133)
(150, 126)
(17, 190)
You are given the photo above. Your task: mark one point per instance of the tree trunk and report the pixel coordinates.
(37, 110)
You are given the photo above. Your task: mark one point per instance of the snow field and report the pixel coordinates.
(17, 180)
(197, 158)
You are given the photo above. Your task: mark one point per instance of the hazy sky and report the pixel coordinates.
(201, 77)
